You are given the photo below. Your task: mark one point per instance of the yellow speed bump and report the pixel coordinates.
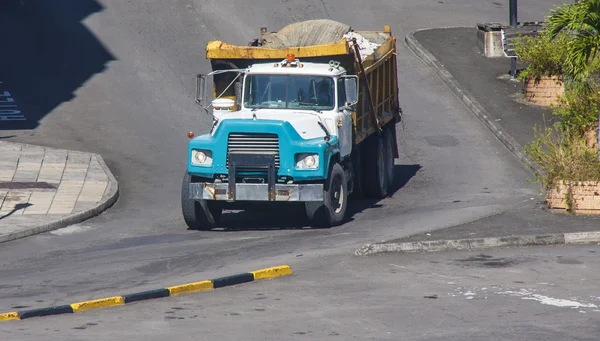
(190, 287)
(276, 271)
(9, 316)
(95, 304)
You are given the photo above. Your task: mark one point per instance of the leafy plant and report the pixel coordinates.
(544, 54)
(562, 155)
(579, 107)
(581, 20)
(569, 47)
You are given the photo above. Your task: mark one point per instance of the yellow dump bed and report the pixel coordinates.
(219, 50)
(377, 69)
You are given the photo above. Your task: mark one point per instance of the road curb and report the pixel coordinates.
(481, 243)
(267, 273)
(467, 99)
(107, 201)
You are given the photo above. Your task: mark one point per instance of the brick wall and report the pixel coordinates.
(544, 91)
(584, 197)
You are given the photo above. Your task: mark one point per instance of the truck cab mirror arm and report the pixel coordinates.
(327, 135)
(348, 106)
(201, 84)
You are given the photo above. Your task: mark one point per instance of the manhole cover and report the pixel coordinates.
(442, 141)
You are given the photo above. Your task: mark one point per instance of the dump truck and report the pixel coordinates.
(307, 114)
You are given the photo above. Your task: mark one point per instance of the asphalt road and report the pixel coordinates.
(538, 294)
(116, 78)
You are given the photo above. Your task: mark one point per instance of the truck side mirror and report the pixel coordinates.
(238, 94)
(351, 85)
(200, 88)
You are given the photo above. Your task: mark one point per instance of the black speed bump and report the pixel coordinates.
(61, 309)
(146, 295)
(232, 280)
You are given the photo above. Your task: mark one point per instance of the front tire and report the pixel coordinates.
(332, 210)
(198, 214)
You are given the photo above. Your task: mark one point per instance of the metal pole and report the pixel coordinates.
(513, 67)
(512, 12)
(512, 15)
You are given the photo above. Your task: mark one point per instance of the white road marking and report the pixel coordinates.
(9, 114)
(557, 302)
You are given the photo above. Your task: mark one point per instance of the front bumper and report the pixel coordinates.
(256, 192)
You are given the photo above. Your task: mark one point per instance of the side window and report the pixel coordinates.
(341, 95)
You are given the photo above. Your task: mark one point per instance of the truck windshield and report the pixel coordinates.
(289, 92)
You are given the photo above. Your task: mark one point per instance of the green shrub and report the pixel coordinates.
(579, 108)
(562, 155)
(543, 55)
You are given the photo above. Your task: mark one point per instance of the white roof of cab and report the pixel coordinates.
(307, 69)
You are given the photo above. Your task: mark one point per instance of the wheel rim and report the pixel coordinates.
(381, 164)
(337, 194)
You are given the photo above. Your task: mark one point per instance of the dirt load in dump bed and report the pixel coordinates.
(319, 32)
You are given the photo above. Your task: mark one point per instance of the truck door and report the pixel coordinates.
(345, 117)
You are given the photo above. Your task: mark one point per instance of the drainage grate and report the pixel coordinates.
(27, 185)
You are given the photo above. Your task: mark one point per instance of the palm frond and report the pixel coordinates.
(566, 17)
(581, 50)
(592, 17)
(593, 6)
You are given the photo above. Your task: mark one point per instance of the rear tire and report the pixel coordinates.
(390, 148)
(198, 214)
(376, 181)
(332, 210)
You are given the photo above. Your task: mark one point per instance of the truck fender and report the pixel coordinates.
(332, 157)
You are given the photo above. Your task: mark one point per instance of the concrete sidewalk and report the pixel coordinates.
(484, 86)
(43, 189)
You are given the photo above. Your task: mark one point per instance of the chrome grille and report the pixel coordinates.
(253, 143)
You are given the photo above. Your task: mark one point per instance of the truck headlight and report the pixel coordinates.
(307, 161)
(202, 157)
